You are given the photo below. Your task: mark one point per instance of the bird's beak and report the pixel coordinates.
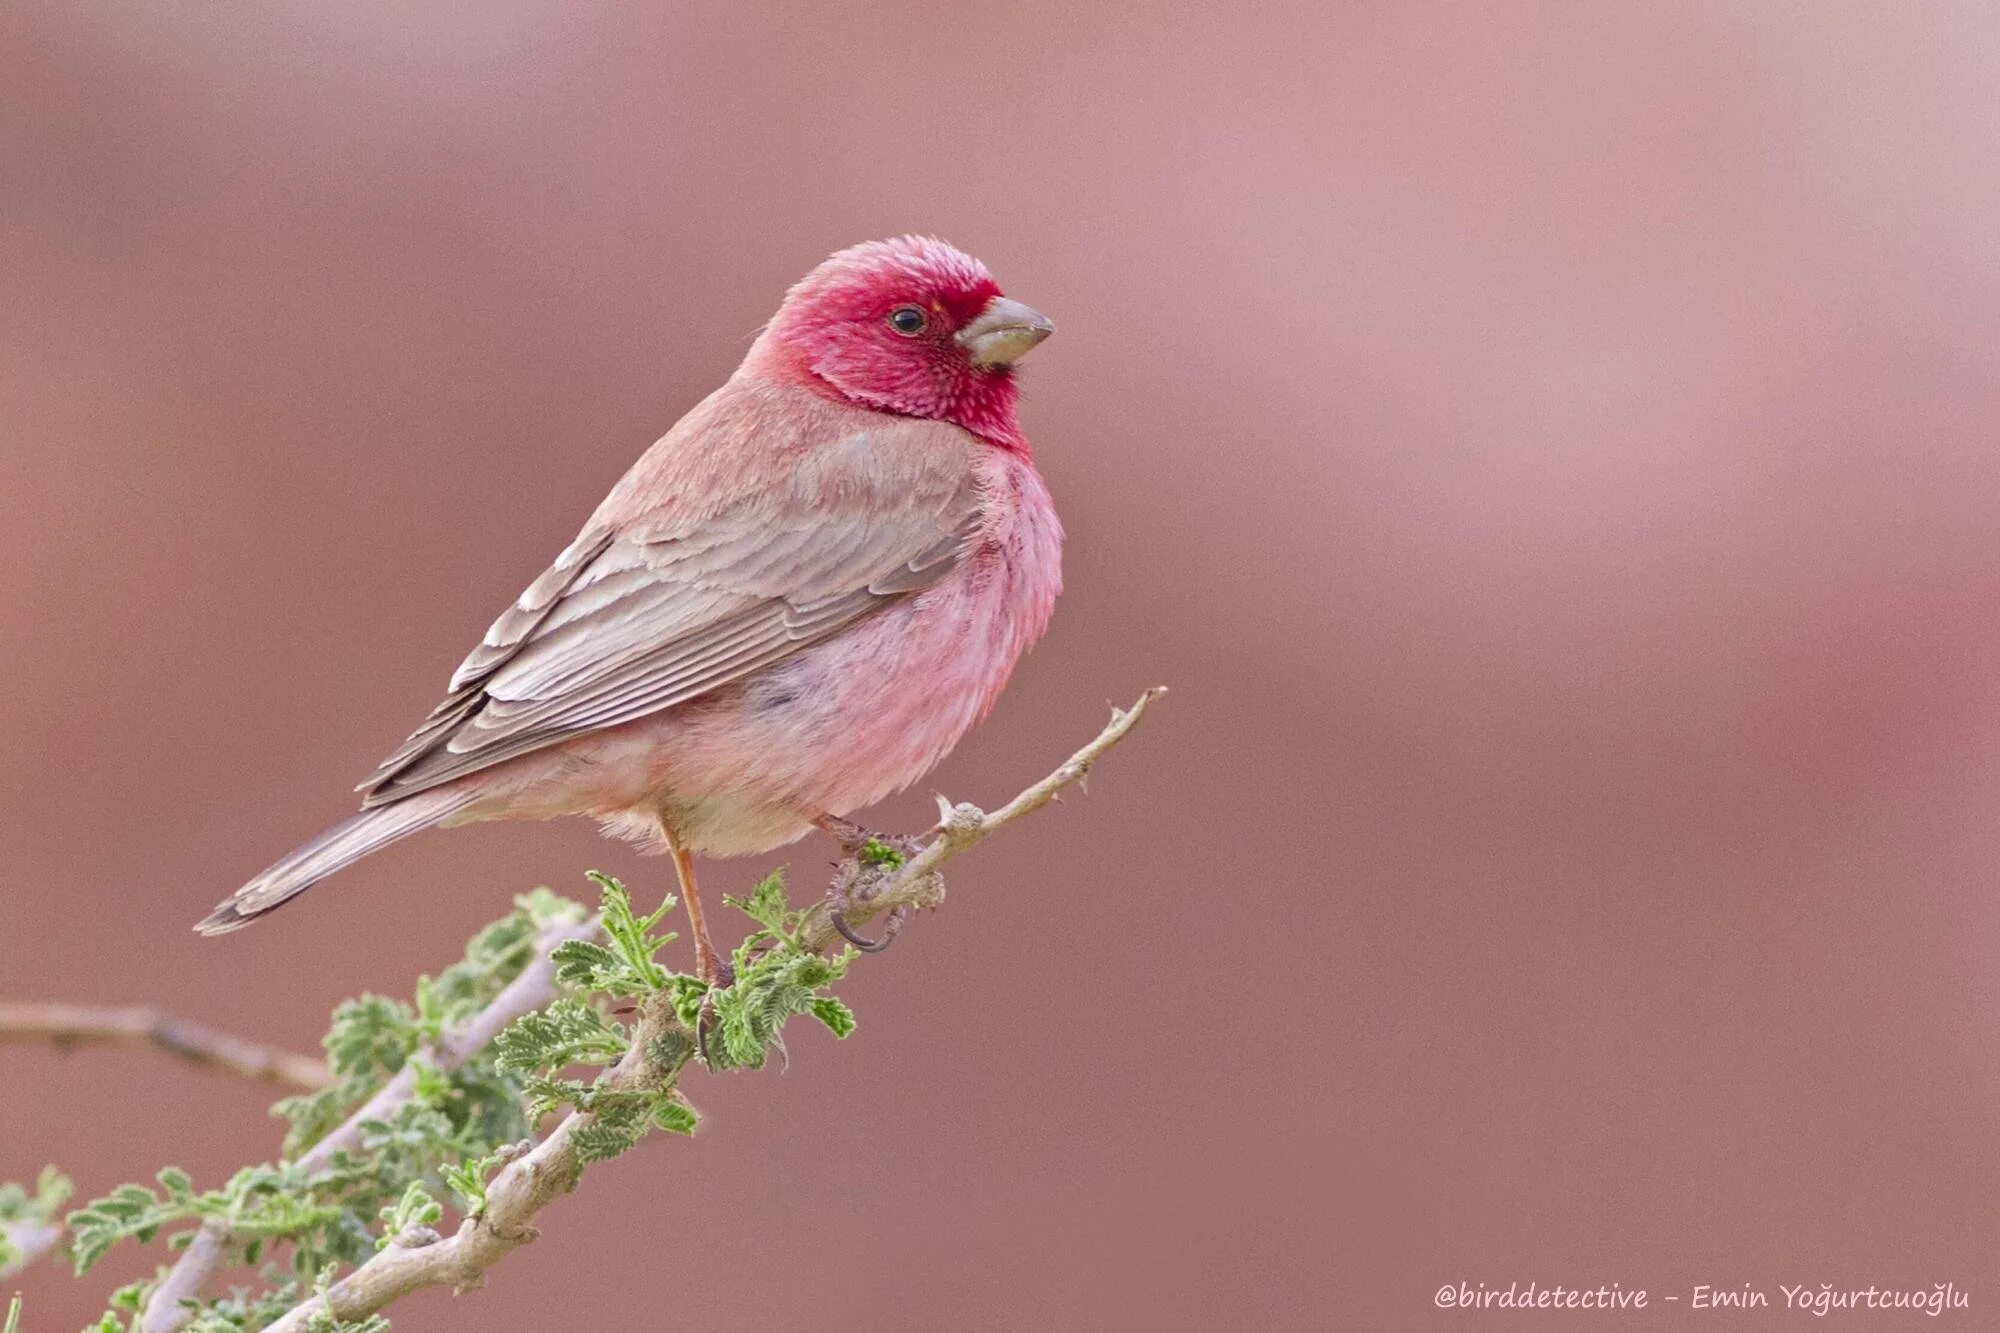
(1004, 332)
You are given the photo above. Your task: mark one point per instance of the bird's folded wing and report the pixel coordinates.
(659, 612)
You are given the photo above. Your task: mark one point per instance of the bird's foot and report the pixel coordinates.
(717, 972)
(869, 856)
(714, 970)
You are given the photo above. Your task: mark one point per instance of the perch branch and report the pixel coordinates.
(530, 1182)
(917, 883)
(171, 1306)
(67, 1025)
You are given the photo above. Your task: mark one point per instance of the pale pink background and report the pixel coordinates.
(1549, 449)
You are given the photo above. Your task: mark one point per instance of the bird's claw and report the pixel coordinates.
(838, 916)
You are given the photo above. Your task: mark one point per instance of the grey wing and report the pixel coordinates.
(625, 624)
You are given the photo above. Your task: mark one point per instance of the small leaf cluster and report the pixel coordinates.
(372, 1037)
(734, 1027)
(629, 964)
(259, 1202)
(543, 1048)
(776, 977)
(355, 1201)
(459, 1127)
(416, 1208)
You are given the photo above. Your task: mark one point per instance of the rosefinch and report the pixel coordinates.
(792, 606)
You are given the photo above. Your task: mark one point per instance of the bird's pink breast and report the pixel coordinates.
(834, 727)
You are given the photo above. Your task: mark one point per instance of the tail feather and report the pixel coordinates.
(338, 847)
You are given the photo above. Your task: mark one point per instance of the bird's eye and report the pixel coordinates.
(908, 320)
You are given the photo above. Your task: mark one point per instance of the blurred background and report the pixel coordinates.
(1547, 449)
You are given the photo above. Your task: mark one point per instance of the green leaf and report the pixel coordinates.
(432, 1086)
(590, 966)
(130, 1211)
(52, 1190)
(765, 904)
(672, 1049)
(468, 1181)
(567, 1032)
(416, 1208)
(675, 1117)
(314, 1115)
(833, 1013)
(599, 1143)
(631, 935)
(686, 993)
(545, 907)
(619, 1121)
(875, 852)
(372, 1034)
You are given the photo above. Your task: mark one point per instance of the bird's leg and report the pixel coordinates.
(864, 850)
(709, 965)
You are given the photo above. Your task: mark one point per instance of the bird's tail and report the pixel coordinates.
(338, 847)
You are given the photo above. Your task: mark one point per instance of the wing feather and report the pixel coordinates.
(639, 617)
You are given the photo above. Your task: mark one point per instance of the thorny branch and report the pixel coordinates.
(533, 1180)
(67, 1025)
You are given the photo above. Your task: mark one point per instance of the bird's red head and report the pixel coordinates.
(909, 325)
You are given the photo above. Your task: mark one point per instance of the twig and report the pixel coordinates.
(172, 1304)
(67, 1025)
(29, 1241)
(916, 883)
(530, 1182)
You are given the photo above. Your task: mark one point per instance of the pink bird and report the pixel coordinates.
(792, 606)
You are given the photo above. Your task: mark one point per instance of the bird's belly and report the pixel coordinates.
(830, 729)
